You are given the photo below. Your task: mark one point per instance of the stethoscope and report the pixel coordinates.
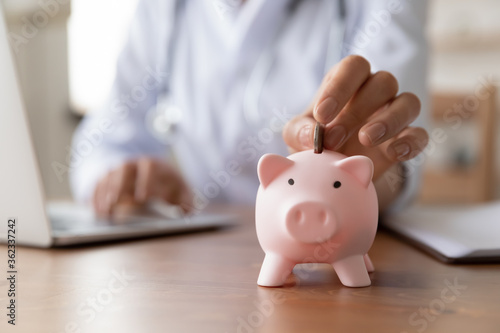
(165, 116)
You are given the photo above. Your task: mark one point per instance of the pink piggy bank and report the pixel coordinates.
(319, 208)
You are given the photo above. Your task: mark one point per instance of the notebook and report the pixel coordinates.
(453, 234)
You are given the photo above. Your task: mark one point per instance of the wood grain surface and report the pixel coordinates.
(206, 282)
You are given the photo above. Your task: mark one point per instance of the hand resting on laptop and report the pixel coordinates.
(136, 182)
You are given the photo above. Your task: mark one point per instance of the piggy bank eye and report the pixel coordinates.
(291, 181)
(337, 184)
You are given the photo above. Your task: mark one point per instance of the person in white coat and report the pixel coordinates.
(204, 88)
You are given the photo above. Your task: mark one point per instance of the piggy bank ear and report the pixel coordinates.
(271, 166)
(361, 167)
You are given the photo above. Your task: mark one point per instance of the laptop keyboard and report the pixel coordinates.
(65, 217)
(79, 223)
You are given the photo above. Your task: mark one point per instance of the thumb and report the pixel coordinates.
(298, 133)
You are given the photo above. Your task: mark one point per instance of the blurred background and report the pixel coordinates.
(66, 53)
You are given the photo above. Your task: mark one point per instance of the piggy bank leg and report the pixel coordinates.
(352, 271)
(275, 269)
(369, 265)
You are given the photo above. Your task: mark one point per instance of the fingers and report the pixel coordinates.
(391, 120)
(145, 179)
(156, 179)
(116, 187)
(347, 98)
(378, 90)
(135, 182)
(339, 85)
(100, 198)
(403, 147)
(122, 183)
(407, 144)
(298, 133)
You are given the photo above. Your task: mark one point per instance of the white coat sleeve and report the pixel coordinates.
(390, 34)
(117, 131)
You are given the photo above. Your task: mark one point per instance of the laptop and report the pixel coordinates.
(24, 214)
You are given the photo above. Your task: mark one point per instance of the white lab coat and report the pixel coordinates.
(215, 52)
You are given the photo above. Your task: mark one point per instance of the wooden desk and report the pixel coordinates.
(206, 282)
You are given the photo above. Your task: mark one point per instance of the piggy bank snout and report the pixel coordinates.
(310, 222)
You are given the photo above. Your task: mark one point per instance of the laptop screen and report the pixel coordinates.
(21, 192)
